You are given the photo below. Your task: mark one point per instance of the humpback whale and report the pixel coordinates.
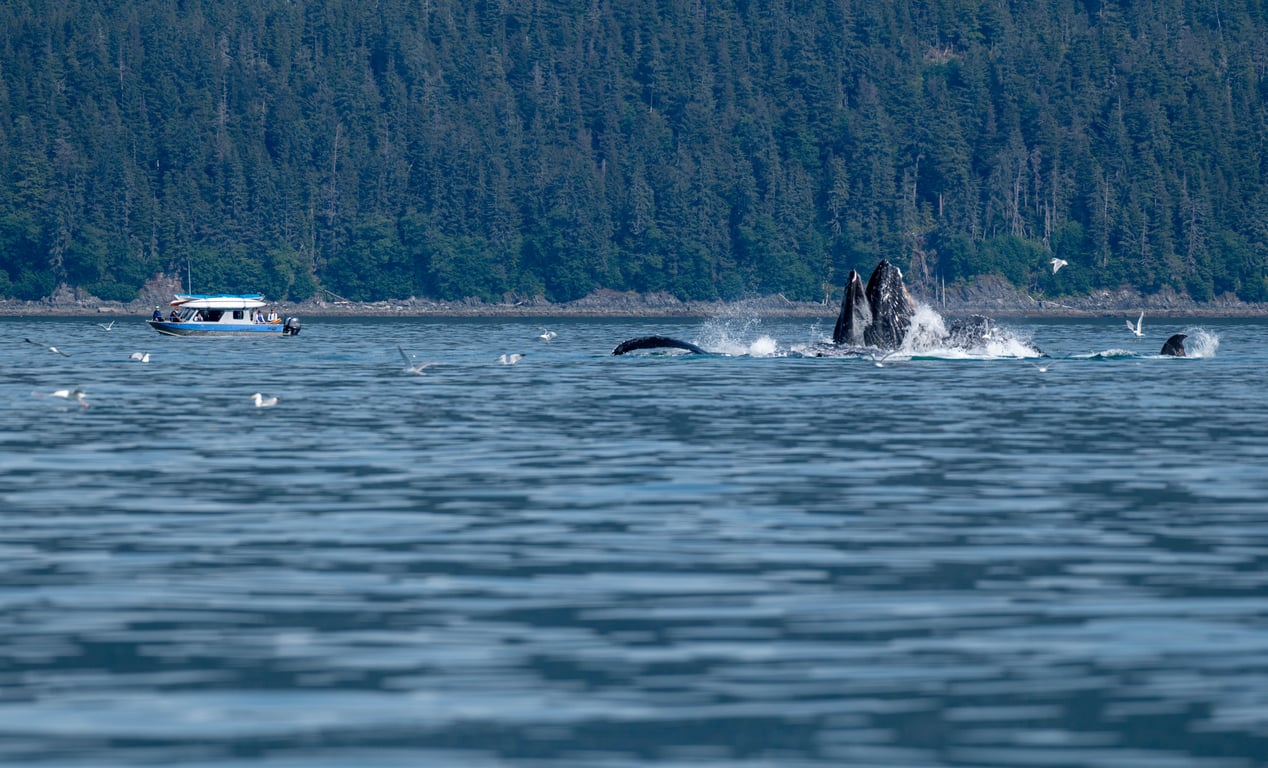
(1174, 347)
(890, 305)
(656, 342)
(872, 319)
(856, 314)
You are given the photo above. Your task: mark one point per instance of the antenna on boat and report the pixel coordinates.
(189, 277)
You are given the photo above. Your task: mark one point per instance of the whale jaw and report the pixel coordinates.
(877, 316)
(855, 316)
(891, 307)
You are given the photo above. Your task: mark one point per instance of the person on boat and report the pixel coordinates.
(158, 314)
(259, 316)
(175, 318)
(198, 316)
(273, 318)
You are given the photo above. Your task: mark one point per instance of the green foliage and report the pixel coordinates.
(450, 150)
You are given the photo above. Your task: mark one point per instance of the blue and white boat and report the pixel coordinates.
(222, 315)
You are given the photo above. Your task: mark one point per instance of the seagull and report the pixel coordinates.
(75, 394)
(46, 346)
(1137, 329)
(879, 360)
(106, 327)
(1058, 264)
(547, 335)
(145, 358)
(1044, 368)
(511, 359)
(263, 402)
(413, 367)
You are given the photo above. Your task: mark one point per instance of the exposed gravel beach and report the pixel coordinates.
(988, 296)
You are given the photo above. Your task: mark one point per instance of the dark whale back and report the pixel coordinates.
(1174, 346)
(656, 342)
(855, 314)
(890, 305)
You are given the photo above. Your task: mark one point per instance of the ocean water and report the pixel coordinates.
(741, 559)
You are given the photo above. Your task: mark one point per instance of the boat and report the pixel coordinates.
(222, 314)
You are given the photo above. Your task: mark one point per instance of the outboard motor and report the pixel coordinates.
(291, 327)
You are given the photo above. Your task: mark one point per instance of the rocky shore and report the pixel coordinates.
(988, 295)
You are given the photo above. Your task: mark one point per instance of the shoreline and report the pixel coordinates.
(613, 305)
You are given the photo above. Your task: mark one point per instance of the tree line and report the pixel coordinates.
(706, 148)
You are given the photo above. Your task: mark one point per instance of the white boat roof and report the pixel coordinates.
(218, 301)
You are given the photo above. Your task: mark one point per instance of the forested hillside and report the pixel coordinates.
(709, 148)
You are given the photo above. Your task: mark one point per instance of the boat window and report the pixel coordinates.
(237, 314)
(212, 315)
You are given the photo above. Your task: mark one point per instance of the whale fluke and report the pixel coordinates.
(1174, 346)
(855, 315)
(890, 305)
(656, 342)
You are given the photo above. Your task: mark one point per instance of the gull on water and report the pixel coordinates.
(46, 346)
(547, 335)
(1042, 367)
(879, 360)
(412, 367)
(1058, 264)
(75, 394)
(106, 326)
(511, 359)
(143, 357)
(1137, 329)
(263, 402)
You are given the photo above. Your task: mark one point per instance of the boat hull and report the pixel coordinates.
(168, 328)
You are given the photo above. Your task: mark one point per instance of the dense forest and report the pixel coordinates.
(706, 148)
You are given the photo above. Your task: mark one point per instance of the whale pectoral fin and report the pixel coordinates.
(656, 342)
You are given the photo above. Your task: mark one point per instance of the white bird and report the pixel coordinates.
(547, 335)
(412, 367)
(879, 360)
(1058, 264)
(511, 359)
(143, 357)
(1137, 329)
(75, 394)
(46, 346)
(1042, 368)
(263, 402)
(106, 327)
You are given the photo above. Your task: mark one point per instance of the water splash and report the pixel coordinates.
(929, 336)
(737, 335)
(1201, 343)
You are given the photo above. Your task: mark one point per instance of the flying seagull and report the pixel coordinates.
(143, 357)
(46, 346)
(105, 326)
(547, 335)
(412, 367)
(1137, 328)
(1058, 264)
(511, 359)
(263, 402)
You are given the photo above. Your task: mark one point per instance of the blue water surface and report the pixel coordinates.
(742, 559)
